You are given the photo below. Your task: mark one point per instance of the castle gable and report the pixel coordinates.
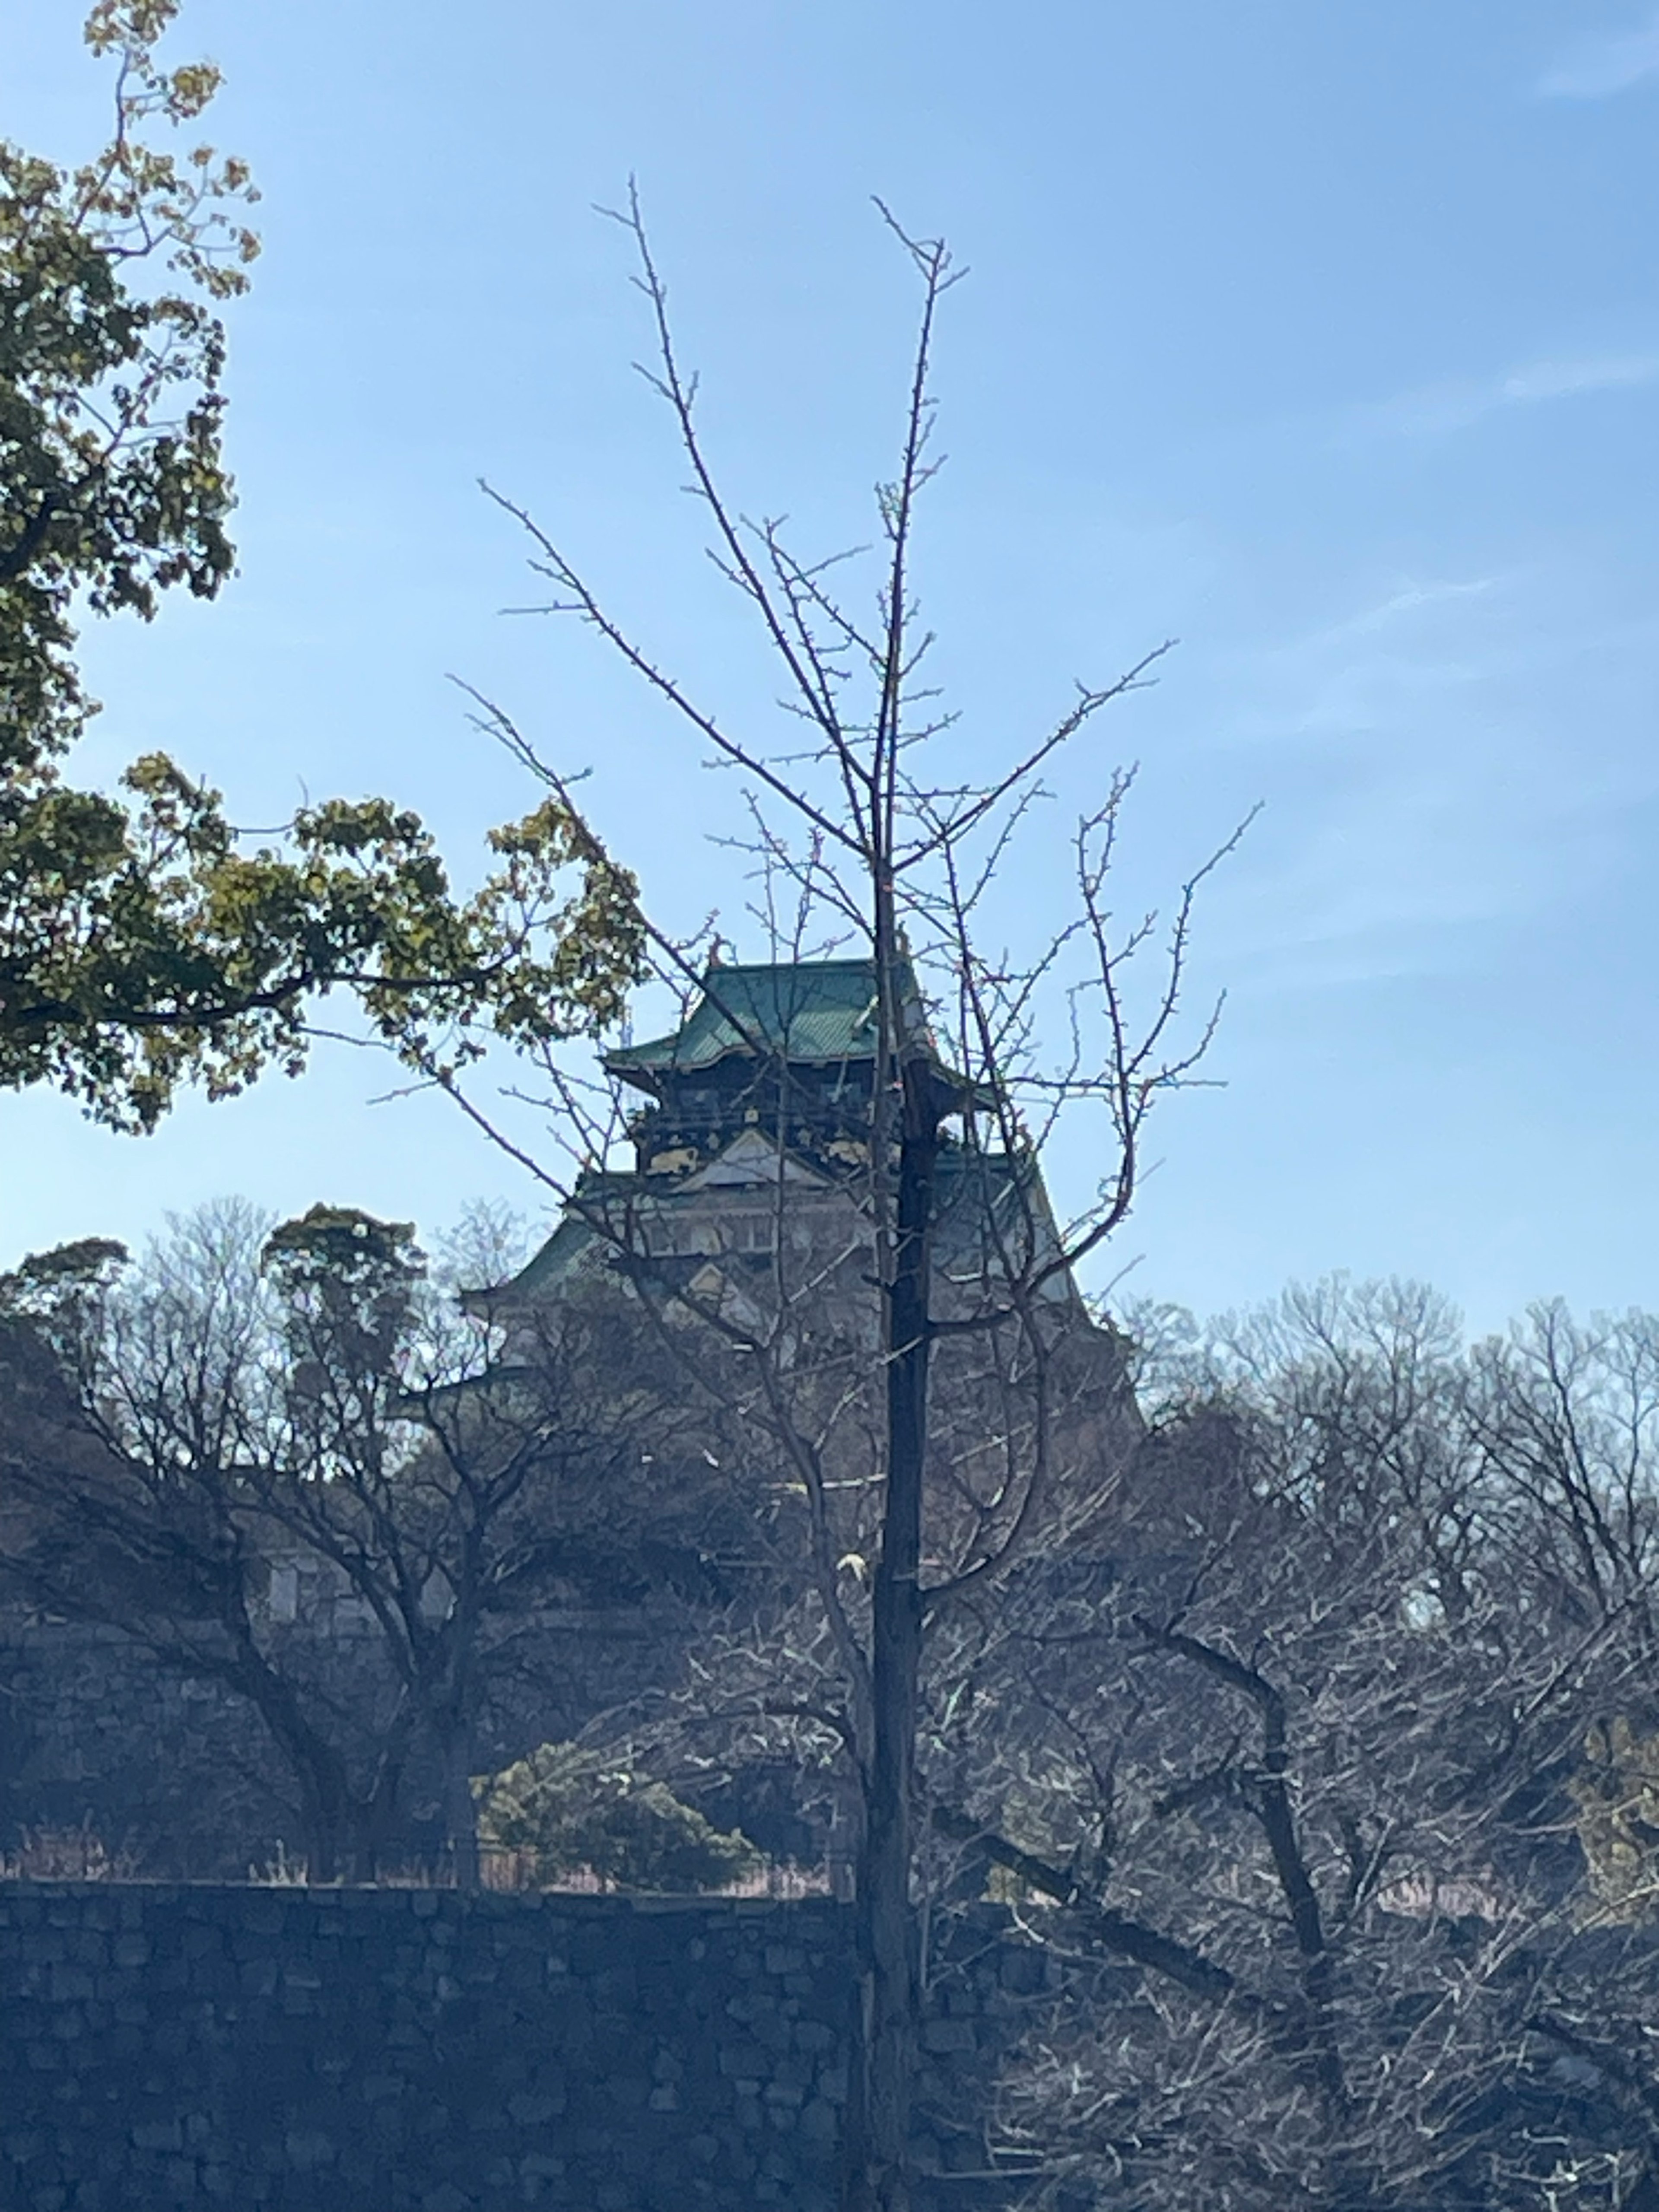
(749, 1162)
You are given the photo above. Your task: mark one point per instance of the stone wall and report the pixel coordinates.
(168, 1773)
(366, 2050)
(417, 2050)
(180, 1779)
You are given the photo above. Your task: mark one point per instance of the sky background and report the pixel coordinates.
(1320, 335)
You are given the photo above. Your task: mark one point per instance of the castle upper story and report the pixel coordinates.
(785, 1051)
(752, 1142)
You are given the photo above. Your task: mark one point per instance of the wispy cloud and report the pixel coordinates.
(1409, 599)
(1445, 757)
(1567, 379)
(1455, 405)
(1610, 65)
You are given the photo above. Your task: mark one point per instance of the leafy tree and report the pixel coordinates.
(141, 945)
(568, 1809)
(111, 409)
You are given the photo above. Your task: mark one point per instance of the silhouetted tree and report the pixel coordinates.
(249, 1404)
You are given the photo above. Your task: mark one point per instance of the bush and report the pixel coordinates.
(566, 1811)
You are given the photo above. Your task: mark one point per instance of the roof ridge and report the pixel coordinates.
(784, 967)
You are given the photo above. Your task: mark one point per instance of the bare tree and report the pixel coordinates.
(1570, 1413)
(1299, 1781)
(256, 1429)
(870, 836)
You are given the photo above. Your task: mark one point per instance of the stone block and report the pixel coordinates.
(528, 2110)
(446, 2197)
(819, 2121)
(158, 2135)
(1021, 1968)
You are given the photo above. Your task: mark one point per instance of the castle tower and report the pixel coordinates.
(754, 1143)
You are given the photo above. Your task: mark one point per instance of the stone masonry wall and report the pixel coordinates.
(181, 1778)
(373, 2049)
(419, 2051)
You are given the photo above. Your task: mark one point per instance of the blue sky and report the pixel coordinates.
(1320, 335)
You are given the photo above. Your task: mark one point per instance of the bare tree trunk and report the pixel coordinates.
(324, 1852)
(879, 2176)
(460, 1813)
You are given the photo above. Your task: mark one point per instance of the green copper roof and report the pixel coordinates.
(816, 1011)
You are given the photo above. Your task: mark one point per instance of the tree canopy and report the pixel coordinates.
(143, 945)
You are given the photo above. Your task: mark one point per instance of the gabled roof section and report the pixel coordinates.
(574, 1243)
(750, 1161)
(814, 1012)
(552, 1267)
